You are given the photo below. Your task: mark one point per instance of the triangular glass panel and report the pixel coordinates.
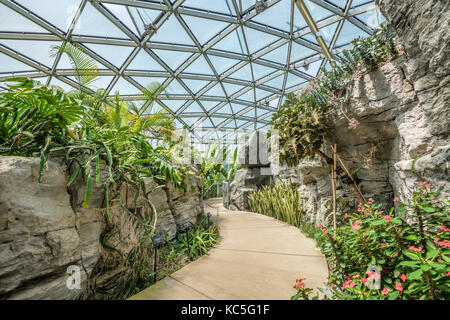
(244, 73)
(293, 80)
(327, 34)
(209, 105)
(114, 54)
(370, 18)
(312, 69)
(239, 123)
(40, 51)
(172, 32)
(278, 16)
(216, 121)
(234, 42)
(348, 33)
(204, 29)
(193, 107)
(299, 52)
(122, 14)
(277, 55)
(246, 4)
(10, 65)
(230, 125)
(238, 107)
(357, 3)
(143, 16)
(231, 88)
(299, 22)
(189, 120)
(172, 58)
(257, 40)
(276, 82)
(260, 126)
(175, 88)
(225, 109)
(339, 3)
(143, 61)
(261, 94)
(221, 64)
(260, 112)
(215, 91)
(248, 96)
(12, 21)
(178, 124)
(195, 85)
(93, 23)
(216, 5)
(145, 81)
(61, 14)
(124, 88)
(317, 12)
(250, 113)
(174, 105)
(261, 71)
(199, 66)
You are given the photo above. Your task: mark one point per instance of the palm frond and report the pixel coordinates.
(85, 68)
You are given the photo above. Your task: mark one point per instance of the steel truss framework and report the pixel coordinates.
(226, 63)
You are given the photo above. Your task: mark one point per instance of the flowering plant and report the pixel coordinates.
(377, 255)
(302, 291)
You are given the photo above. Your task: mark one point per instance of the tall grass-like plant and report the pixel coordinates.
(280, 200)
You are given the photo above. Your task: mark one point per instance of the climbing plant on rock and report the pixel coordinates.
(302, 120)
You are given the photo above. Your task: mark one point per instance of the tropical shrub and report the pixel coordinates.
(215, 169)
(302, 120)
(280, 200)
(408, 255)
(201, 238)
(89, 130)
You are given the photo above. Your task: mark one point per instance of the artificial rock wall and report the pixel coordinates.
(404, 114)
(44, 229)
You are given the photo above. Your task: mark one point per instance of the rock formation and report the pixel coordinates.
(44, 229)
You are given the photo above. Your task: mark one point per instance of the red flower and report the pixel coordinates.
(444, 228)
(387, 219)
(385, 291)
(444, 243)
(412, 248)
(403, 277)
(398, 286)
(396, 199)
(355, 225)
(422, 183)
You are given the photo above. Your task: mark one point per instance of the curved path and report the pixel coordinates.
(257, 258)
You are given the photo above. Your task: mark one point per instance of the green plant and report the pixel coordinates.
(214, 168)
(92, 133)
(32, 115)
(303, 292)
(201, 238)
(410, 250)
(268, 201)
(302, 120)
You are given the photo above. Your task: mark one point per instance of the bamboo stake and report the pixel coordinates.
(334, 186)
(348, 173)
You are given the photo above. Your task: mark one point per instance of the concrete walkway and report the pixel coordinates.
(257, 258)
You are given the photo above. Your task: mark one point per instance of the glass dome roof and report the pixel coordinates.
(226, 63)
